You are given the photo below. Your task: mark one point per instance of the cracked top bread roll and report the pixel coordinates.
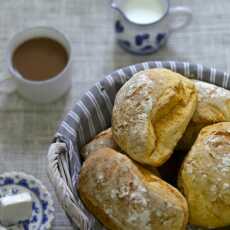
(213, 106)
(204, 177)
(150, 114)
(102, 140)
(124, 196)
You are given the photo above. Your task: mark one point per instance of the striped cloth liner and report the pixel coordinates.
(91, 115)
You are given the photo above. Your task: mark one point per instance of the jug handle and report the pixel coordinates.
(180, 11)
(114, 6)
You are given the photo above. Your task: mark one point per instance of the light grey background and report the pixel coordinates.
(27, 129)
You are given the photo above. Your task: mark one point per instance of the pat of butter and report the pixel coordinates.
(14, 208)
(2, 228)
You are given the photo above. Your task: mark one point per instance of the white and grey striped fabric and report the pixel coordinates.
(91, 115)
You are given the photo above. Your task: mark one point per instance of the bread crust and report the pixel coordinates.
(213, 106)
(204, 177)
(150, 114)
(101, 140)
(105, 140)
(125, 196)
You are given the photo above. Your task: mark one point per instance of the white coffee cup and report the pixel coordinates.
(44, 91)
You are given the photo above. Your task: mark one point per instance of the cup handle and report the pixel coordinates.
(9, 81)
(179, 11)
(4, 78)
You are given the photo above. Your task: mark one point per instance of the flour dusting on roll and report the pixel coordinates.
(105, 140)
(125, 196)
(150, 114)
(205, 177)
(102, 140)
(213, 106)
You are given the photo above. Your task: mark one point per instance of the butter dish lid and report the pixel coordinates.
(12, 183)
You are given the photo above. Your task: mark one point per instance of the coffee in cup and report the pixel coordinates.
(40, 59)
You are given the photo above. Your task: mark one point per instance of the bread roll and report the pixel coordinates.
(150, 114)
(205, 177)
(213, 106)
(102, 140)
(105, 139)
(125, 196)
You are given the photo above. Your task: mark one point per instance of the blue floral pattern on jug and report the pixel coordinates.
(148, 48)
(160, 38)
(119, 27)
(141, 38)
(141, 43)
(42, 206)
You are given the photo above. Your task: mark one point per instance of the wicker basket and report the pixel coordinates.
(91, 115)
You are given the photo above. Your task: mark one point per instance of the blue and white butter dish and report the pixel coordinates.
(142, 27)
(15, 183)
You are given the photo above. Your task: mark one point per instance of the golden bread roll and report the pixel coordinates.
(205, 177)
(102, 140)
(213, 106)
(105, 139)
(150, 114)
(124, 196)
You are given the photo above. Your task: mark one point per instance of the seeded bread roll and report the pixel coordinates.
(124, 196)
(213, 106)
(102, 140)
(205, 177)
(150, 114)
